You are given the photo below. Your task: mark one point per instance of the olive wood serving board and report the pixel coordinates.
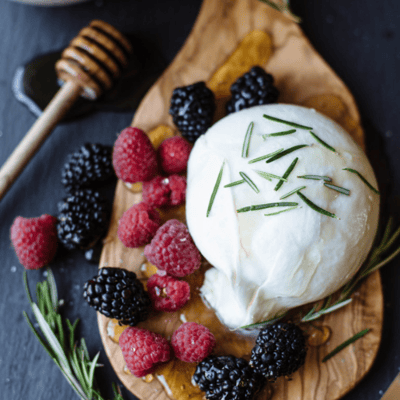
(302, 77)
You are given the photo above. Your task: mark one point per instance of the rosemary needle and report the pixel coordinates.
(285, 152)
(282, 133)
(337, 188)
(267, 205)
(316, 177)
(318, 139)
(265, 157)
(280, 212)
(345, 344)
(268, 176)
(246, 142)
(292, 192)
(282, 121)
(249, 182)
(315, 207)
(267, 322)
(362, 178)
(287, 173)
(234, 183)
(214, 192)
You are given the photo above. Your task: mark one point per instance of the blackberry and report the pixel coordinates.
(82, 220)
(87, 167)
(280, 350)
(117, 293)
(227, 378)
(253, 88)
(192, 109)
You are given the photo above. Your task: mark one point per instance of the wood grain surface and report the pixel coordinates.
(302, 78)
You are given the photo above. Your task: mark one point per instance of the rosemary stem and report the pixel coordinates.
(381, 264)
(391, 240)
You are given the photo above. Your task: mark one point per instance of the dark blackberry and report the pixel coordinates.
(252, 89)
(87, 167)
(227, 378)
(117, 293)
(192, 109)
(280, 350)
(83, 218)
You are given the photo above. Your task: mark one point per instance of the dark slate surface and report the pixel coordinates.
(360, 40)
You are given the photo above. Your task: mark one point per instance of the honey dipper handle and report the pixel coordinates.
(34, 138)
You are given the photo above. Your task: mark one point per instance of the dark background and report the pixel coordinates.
(359, 39)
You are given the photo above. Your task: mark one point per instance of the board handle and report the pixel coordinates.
(54, 112)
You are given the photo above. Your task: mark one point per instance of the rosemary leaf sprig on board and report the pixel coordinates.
(72, 358)
(384, 250)
(348, 342)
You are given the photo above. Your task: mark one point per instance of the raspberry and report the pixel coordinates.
(192, 342)
(172, 250)
(173, 154)
(143, 350)
(177, 185)
(167, 293)
(134, 158)
(138, 225)
(162, 191)
(34, 240)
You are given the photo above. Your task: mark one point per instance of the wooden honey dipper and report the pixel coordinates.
(88, 67)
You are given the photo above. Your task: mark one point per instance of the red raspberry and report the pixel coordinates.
(177, 185)
(192, 342)
(167, 191)
(173, 154)
(167, 293)
(143, 350)
(34, 240)
(134, 157)
(172, 250)
(138, 225)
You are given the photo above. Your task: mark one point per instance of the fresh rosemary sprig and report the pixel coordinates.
(345, 344)
(316, 177)
(72, 359)
(377, 258)
(282, 121)
(337, 188)
(215, 190)
(249, 182)
(362, 178)
(315, 207)
(267, 205)
(285, 152)
(246, 142)
(265, 157)
(235, 183)
(283, 133)
(325, 308)
(287, 173)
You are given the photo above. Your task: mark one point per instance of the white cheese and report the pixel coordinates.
(264, 265)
